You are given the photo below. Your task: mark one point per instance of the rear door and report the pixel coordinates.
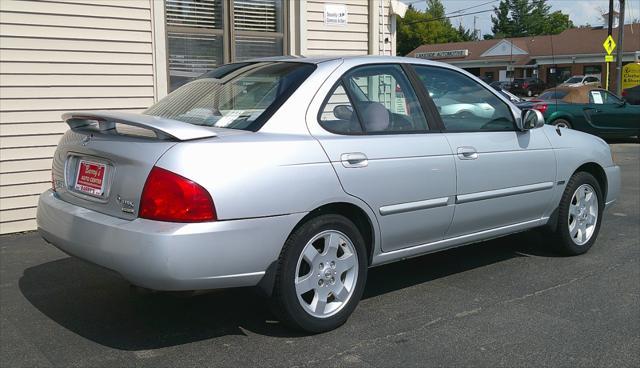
(386, 152)
(504, 176)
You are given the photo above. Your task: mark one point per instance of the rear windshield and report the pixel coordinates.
(242, 96)
(574, 80)
(552, 95)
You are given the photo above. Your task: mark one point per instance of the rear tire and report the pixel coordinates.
(561, 123)
(579, 215)
(321, 274)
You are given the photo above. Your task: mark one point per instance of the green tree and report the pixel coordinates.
(556, 23)
(466, 34)
(521, 17)
(518, 18)
(502, 24)
(431, 26)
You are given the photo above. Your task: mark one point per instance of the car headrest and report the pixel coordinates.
(375, 117)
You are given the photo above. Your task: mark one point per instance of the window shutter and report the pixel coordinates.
(194, 13)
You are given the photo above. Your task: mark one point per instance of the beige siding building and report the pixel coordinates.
(57, 56)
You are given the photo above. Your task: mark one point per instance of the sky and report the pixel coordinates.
(580, 11)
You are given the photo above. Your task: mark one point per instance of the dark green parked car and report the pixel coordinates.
(588, 109)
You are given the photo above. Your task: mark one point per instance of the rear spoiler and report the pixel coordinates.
(162, 127)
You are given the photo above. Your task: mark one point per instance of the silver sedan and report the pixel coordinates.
(297, 175)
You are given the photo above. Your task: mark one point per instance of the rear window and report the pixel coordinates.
(574, 80)
(552, 95)
(241, 96)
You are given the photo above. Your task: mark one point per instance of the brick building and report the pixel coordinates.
(551, 58)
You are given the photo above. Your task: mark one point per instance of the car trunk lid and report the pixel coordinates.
(103, 162)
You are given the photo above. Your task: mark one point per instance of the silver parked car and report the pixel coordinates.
(297, 175)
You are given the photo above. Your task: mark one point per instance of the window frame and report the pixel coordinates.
(427, 110)
(333, 89)
(439, 118)
(227, 32)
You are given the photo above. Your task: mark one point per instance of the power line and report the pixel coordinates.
(448, 17)
(455, 11)
(471, 7)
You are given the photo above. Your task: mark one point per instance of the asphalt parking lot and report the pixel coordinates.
(507, 302)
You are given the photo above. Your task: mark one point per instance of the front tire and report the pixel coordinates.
(321, 274)
(561, 123)
(579, 215)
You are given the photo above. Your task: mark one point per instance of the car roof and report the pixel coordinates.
(574, 94)
(365, 59)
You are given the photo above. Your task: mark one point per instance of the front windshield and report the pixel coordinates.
(236, 99)
(574, 80)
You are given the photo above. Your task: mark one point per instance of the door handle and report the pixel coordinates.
(354, 159)
(467, 153)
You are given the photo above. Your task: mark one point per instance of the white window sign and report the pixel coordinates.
(597, 97)
(335, 15)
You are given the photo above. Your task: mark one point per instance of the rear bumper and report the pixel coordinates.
(167, 256)
(613, 184)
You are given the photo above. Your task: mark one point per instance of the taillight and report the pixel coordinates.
(525, 85)
(168, 196)
(541, 107)
(624, 93)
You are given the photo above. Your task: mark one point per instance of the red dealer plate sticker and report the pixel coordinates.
(90, 177)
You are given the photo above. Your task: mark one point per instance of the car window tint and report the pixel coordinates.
(552, 95)
(241, 99)
(384, 99)
(464, 104)
(610, 98)
(337, 114)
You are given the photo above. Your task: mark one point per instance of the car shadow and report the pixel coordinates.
(100, 306)
(622, 140)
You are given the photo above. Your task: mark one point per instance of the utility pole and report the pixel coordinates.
(620, 50)
(475, 32)
(610, 29)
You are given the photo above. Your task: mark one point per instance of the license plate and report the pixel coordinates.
(90, 178)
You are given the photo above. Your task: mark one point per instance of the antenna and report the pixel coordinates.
(555, 67)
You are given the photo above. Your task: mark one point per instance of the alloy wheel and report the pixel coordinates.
(326, 273)
(583, 214)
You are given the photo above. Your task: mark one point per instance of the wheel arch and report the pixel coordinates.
(598, 172)
(353, 212)
(563, 116)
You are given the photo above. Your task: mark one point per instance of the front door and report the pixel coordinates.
(608, 114)
(386, 153)
(504, 176)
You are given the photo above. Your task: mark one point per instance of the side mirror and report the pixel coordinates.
(531, 119)
(343, 112)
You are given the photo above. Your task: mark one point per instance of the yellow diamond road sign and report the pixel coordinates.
(609, 45)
